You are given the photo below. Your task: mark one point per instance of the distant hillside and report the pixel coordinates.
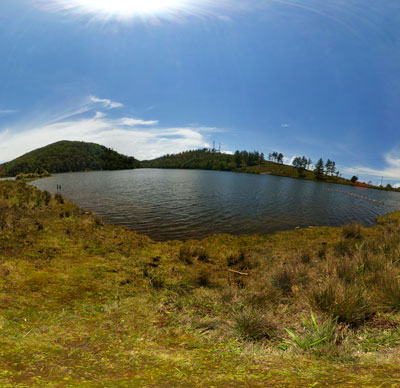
(241, 161)
(197, 159)
(65, 156)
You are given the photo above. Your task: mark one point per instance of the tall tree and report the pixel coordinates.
(319, 168)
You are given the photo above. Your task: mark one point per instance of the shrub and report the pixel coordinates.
(254, 325)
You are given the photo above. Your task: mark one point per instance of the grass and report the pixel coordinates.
(314, 334)
(83, 304)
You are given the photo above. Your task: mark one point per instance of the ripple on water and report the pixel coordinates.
(172, 204)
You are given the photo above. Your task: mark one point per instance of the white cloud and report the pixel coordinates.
(128, 121)
(105, 102)
(285, 125)
(125, 135)
(391, 171)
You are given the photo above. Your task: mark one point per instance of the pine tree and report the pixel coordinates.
(319, 168)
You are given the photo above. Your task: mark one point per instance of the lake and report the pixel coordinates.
(184, 204)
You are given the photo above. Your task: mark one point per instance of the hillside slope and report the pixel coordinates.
(249, 162)
(66, 156)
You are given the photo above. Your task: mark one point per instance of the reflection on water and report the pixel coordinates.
(182, 204)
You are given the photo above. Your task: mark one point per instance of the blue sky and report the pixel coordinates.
(301, 77)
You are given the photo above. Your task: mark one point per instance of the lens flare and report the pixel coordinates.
(131, 8)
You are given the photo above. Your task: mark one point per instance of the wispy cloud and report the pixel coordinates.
(285, 125)
(390, 171)
(143, 139)
(105, 102)
(129, 122)
(7, 111)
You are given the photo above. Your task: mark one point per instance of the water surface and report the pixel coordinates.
(182, 204)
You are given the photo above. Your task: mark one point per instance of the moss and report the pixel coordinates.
(84, 304)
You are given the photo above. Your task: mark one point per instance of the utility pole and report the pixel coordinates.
(219, 149)
(213, 150)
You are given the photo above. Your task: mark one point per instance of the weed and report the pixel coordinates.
(314, 334)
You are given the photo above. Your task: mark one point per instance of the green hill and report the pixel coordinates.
(66, 156)
(241, 161)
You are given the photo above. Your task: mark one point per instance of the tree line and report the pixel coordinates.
(320, 168)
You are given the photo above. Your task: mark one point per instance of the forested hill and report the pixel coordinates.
(204, 159)
(243, 161)
(65, 156)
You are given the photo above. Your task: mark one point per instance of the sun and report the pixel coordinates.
(126, 8)
(130, 7)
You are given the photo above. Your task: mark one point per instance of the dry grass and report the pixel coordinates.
(80, 299)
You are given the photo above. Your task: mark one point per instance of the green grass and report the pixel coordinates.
(84, 304)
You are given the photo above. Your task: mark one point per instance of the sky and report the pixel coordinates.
(319, 78)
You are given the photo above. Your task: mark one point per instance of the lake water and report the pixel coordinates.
(183, 204)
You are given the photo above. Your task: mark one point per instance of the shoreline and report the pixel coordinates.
(253, 170)
(278, 230)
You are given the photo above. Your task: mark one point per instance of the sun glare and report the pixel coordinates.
(128, 8)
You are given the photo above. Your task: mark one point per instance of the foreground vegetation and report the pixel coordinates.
(68, 156)
(88, 305)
